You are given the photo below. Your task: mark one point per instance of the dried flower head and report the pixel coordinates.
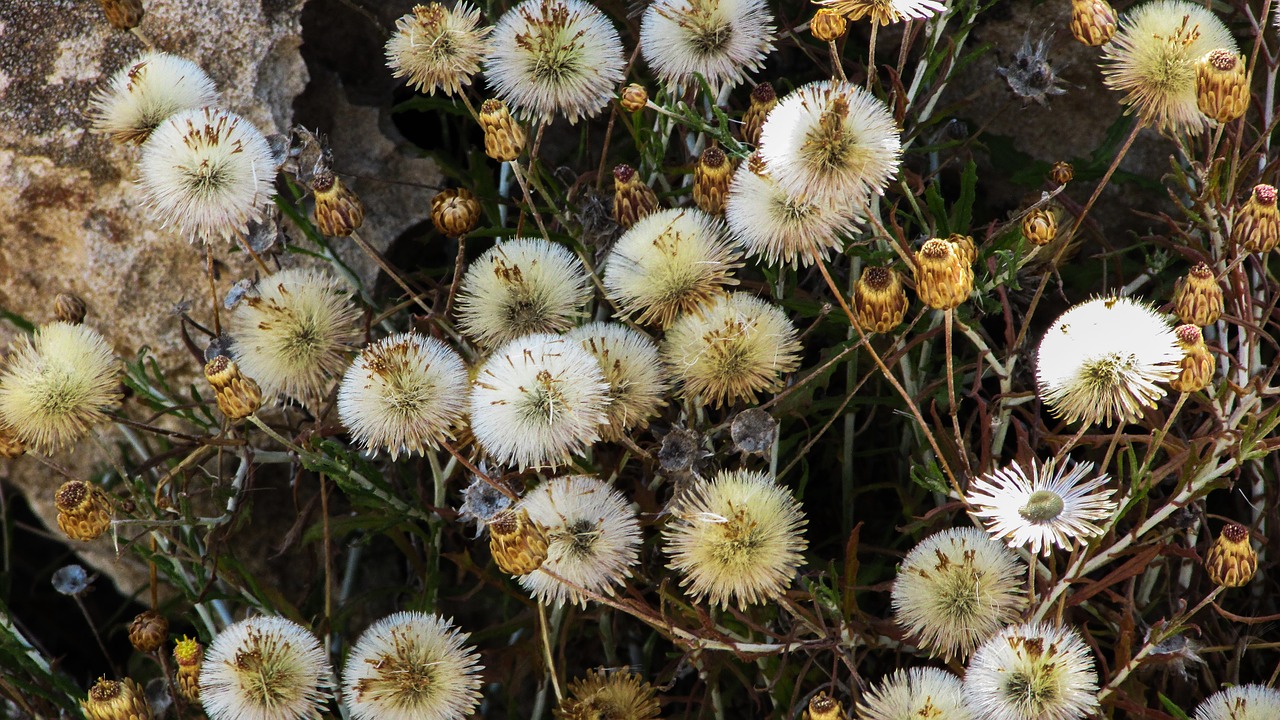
(538, 400)
(916, 694)
(753, 431)
(148, 631)
(143, 94)
(264, 668)
(56, 384)
(123, 14)
(1032, 672)
(736, 539)
(883, 12)
(438, 48)
(519, 287)
(69, 308)
(957, 588)
(1152, 59)
(668, 263)
(1100, 361)
(555, 56)
(1050, 505)
(735, 347)
(403, 393)
(879, 301)
(1242, 702)
(455, 212)
(1197, 298)
(721, 40)
(616, 696)
(1040, 225)
(116, 700)
(633, 369)
(779, 227)
(292, 333)
(1256, 225)
(482, 502)
(412, 666)
(827, 25)
(206, 172)
(1231, 561)
(1031, 76)
(1197, 365)
(594, 538)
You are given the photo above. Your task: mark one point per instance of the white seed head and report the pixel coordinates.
(722, 40)
(521, 287)
(1032, 672)
(921, 693)
(438, 48)
(781, 228)
(1242, 702)
(264, 668)
(146, 92)
(631, 365)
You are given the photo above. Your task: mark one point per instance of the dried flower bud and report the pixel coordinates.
(123, 14)
(1093, 22)
(681, 451)
(503, 137)
(148, 631)
(116, 700)
(763, 98)
(68, 308)
(1257, 222)
(10, 446)
(824, 707)
(518, 544)
(828, 25)
(711, 179)
(339, 211)
(634, 98)
(965, 246)
(189, 655)
(632, 199)
(1061, 172)
(84, 512)
(1197, 298)
(1197, 364)
(1231, 561)
(879, 301)
(455, 212)
(753, 431)
(1040, 226)
(238, 396)
(1222, 85)
(943, 279)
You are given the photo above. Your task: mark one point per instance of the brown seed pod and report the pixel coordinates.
(69, 308)
(123, 14)
(148, 631)
(455, 212)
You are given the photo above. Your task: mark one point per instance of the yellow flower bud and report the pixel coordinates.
(1257, 222)
(84, 512)
(828, 25)
(763, 99)
(1093, 22)
(339, 211)
(879, 301)
(518, 544)
(1197, 364)
(1040, 226)
(824, 707)
(711, 178)
(1197, 298)
(1231, 560)
(189, 655)
(634, 98)
(632, 199)
(455, 212)
(504, 139)
(943, 278)
(116, 700)
(238, 396)
(1222, 85)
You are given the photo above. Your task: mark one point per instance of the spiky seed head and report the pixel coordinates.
(518, 544)
(238, 396)
(116, 700)
(554, 57)
(123, 14)
(68, 308)
(1241, 702)
(632, 198)
(59, 382)
(1256, 226)
(144, 93)
(455, 212)
(412, 666)
(944, 279)
(264, 668)
(884, 12)
(721, 40)
(711, 177)
(616, 696)
(520, 287)
(504, 137)
(1093, 22)
(763, 99)
(1222, 85)
(1197, 298)
(633, 368)
(921, 693)
(1061, 172)
(633, 98)
(1032, 672)
(1231, 561)
(1196, 368)
(1040, 225)
(188, 654)
(438, 48)
(148, 631)
(879, 300)
(781, 228)
(339, 211)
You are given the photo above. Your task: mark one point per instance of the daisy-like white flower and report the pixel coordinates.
(1046, 507)
(264, 668)
(412, 666)
(736, 347)
(1100, 361)
(58, 383)
(1152, 59)
(831, 142)
(617, 696)
(778, 227)
(736, 539)
(524, 286)
(554, 56)
(1242, 702)
(593, 538)
(883, 12)
(957, 588)
(1032, 672)
(538, 400)
(403, 393)
(722, 40)
(670, 262)
(207, 173)
(438, 48)
(633, 369)
(292, 333)
(143, 94)
(916, 694)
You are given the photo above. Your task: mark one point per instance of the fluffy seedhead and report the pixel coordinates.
(520, 287)
(438, 48)
(921, 693)
(721, 40)
(146, 92)
(1242, 702)
(264, 668)
(779, 227)
(637, 380)
(1032, 672)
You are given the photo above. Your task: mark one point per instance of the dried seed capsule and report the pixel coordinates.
(518, 544)
(828, 25)
(1040, 226)
(1257, 222)
(188, 654)
(824, 707)
(504, 138)
(1197, 298)
(116, 700)
(69, 308)
(1093, 22)
(455, 212)
(1231, 560)
(711, 178)
(148, 631)
(632, 199)
(943, 279)
(339, 211)
(1197, 364)
(1222, 85)
(123, 14)
(763, 99)
(879, 301)
(1061, 172)
(238, 396)
(634, 98)
(84, 512)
